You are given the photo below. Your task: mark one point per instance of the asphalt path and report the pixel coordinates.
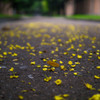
(47, 58)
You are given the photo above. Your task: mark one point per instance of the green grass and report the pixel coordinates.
(84, 17)
(16, 16)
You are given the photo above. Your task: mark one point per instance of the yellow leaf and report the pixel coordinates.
(95, 97)
(11, 69)
(58, 97)
(58, 81)
(52, 63)
(21, 97)
(97, 77)
(89, 86)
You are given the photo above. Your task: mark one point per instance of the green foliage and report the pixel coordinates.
(16, 16)
(36, 6)
(55, 6)
(43, 6)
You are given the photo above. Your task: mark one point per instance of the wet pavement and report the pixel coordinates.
(45, 58)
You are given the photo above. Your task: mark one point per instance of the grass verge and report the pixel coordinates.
(16, 16)
(84, 17)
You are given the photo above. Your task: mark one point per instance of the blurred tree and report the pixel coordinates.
(44, 5)
(53, 7)
(36, 7)
(21, 6)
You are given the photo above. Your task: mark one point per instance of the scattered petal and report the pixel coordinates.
(95, 97)
(58, 81)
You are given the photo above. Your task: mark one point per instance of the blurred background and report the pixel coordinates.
(77, 9)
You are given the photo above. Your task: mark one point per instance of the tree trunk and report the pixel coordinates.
(6, 8)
